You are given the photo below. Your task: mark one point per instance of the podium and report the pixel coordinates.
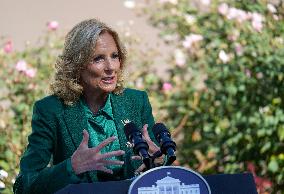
(219, 184)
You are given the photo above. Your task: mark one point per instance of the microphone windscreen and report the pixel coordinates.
(130, 128)
(158, 128)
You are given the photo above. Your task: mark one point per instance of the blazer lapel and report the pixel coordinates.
(120, 115)
(122, 110)
(75, 121)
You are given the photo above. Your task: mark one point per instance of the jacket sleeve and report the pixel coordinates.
(36, 174)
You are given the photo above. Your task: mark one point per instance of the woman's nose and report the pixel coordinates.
(110, 64)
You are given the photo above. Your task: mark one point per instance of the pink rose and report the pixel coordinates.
(248, 73)
(190, 39)
(223, 56)
(167, 86)
(32, 86)
(257, 26)
(256, 21)
(190, 19)
(30, 72)
(259, 75)
(205, 2)
(223, 8)
(169, 1)
(2, 185)
(239, 49)
(196, 37)
(275, 17)
(8, 47)
(238, 14)
(234, 35)
(3, 174)
(232, 13)
(52, 25)
(180, 58)
(271, 8)
(242, 16)
(21, 65)
(251, 167)
(257, 17)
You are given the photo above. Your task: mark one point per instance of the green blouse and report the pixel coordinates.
(100, 127)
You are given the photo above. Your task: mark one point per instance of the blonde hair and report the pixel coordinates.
(78, 51)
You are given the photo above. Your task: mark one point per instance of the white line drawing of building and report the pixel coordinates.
(169, 185)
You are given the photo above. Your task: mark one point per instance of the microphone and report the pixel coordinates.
(134, 136)
(163, 137)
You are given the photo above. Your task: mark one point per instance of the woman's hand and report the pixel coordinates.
(87, 159)
(152, 149)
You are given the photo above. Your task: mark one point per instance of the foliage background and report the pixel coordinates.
(225, 99)
(223, 96)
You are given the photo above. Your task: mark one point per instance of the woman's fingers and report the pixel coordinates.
(101, 164)
(112, 162)
(86, 159)
(104, 144)
(104, 169)
(152, 146)
(145, 132)
(111, 154)
(84, 142)
(136, 158)
(141, 168)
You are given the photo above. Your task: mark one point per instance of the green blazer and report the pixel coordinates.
(57, 132)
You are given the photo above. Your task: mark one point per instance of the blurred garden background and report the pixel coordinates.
(217, 83)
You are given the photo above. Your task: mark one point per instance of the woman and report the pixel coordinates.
(78, 132)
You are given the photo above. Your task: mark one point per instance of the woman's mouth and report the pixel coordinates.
(109, 80)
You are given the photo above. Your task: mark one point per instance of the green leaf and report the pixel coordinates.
(273, 166)
(266, 147)
(276, 101)
(280, 132)
(4, 165)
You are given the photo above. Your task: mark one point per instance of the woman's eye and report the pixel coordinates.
(98, 59)
(115, 56)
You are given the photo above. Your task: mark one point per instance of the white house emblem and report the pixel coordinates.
(169, 180)
(169, 185)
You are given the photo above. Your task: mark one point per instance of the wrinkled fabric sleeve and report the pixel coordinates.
(36, 175)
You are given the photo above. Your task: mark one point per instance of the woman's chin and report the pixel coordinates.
(108, 88)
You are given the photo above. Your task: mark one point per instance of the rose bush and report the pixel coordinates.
(226, 97)
(24, 79)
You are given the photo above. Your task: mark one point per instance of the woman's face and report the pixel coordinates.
(100, 75)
